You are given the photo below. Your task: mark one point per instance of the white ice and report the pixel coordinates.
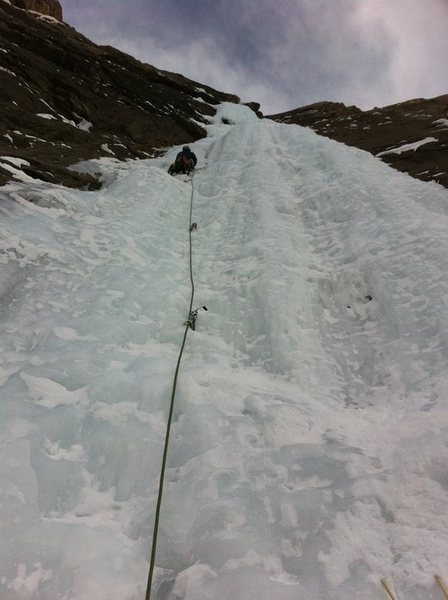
(309, 447)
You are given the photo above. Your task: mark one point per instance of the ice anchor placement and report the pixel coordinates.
(191, 321)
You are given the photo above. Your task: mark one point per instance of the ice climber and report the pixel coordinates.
(185, 162)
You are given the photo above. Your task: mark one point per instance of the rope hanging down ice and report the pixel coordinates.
(190, 323)
(438, 579)
(387, 589)
(442, 585)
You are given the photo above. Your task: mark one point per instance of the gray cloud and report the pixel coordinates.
(285, 53)
(418, 66)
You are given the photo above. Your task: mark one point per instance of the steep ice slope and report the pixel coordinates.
(309, 449)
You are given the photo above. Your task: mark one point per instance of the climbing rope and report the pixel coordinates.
(190, 323)
(441, 585)
(387, 589)
(438, 579)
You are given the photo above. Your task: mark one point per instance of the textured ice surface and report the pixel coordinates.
(309, 448)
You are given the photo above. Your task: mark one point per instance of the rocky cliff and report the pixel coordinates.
(51, 8)
(64, 99)
(410, 136)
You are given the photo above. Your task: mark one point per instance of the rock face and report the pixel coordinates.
(393, 133)
(64, 99)
(51, 8)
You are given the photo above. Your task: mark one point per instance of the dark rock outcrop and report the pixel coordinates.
(51, 8)
(255, 106)
(64, 99)
(392, 133)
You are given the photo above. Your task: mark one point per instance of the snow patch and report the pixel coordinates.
(75, 453)
(5, 70)
(46, 116)
(14, 160)
(47, 18)
(407, 147)
(441, 122)
(27, 583)
(50, 394)
(106, 148)
(84, 125)
(17, 172)
(67, 333)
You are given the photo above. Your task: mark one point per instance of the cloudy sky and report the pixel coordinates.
(283, 53)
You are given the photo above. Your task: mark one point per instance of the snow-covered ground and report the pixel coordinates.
(309, 452)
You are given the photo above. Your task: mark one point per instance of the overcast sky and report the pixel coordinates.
(283, 53)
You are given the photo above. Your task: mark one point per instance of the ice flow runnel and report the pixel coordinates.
(326, 241)
(380, 294)
(243, 495)
(247, 486)
(254, 257)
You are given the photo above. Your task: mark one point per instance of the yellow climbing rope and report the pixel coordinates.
(388, 590)
(441, 585)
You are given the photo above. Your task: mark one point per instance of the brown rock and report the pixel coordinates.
(255, 106)
(63, 99)
(52, 8)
